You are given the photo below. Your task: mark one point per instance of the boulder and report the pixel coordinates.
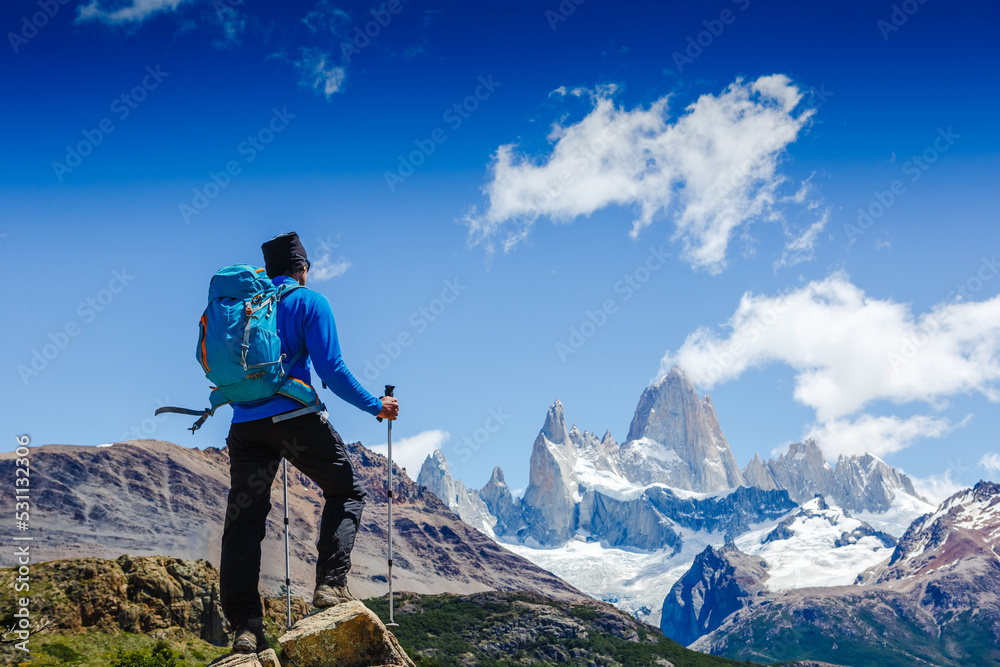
(347, 635)
(269, 658)
(238, 660)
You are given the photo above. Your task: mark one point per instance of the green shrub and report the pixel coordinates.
(161, 655)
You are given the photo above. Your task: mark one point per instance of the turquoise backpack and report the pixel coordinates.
(239, 348)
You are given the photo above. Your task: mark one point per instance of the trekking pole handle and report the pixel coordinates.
(388, 392)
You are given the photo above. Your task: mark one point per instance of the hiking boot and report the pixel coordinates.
(250, 636)
(330, 595)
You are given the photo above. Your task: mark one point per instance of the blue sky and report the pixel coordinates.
(739, 138)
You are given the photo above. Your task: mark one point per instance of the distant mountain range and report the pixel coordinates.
(624, 522)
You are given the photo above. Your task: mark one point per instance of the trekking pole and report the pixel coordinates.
(388, 392)
(288, 578)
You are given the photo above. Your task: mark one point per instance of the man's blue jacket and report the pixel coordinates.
(306, 319)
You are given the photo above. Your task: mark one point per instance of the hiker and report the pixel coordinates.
(257, 443)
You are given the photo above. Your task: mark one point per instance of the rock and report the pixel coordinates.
(436, 476)
(239, 660)
(675, 439)
(552, 494)
(721, 581)
(863, 483)
(348, 635)
(269, 658)
(756, 474)
(501, 504)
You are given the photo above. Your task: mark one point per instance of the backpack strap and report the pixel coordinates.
(201, 414)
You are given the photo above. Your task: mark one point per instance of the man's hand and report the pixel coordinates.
(390, 408)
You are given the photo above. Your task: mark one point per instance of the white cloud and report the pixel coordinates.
(937, 488)
(800, 249)
(325, 266)
(713, 169)
(849, 350)
(877, 435)
(139, 10)
(318, 73)
(991, 461)
(409, 453)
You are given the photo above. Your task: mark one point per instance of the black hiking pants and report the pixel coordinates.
(256, 448)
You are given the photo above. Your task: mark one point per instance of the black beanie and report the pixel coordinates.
(284, 253)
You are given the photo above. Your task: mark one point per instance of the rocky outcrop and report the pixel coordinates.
(802, 471)
(435, 475)
(347, 635)
(269, 658)
(756, 474)
(867, 483)
(552, 494)
(675, 439)
(654, 519)
(501, 504)
(862, 483)
(934, 602)
(239, 660)
(635, 524)
(720, 582)
(142, 595)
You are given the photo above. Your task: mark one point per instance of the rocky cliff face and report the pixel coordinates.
(553, 488)
(867, 483)
(501, 504)
(468, 505)
(675, 439)
(935, 602)
(863, 483)
(156, 498)
(757, 475)
(719, 583)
